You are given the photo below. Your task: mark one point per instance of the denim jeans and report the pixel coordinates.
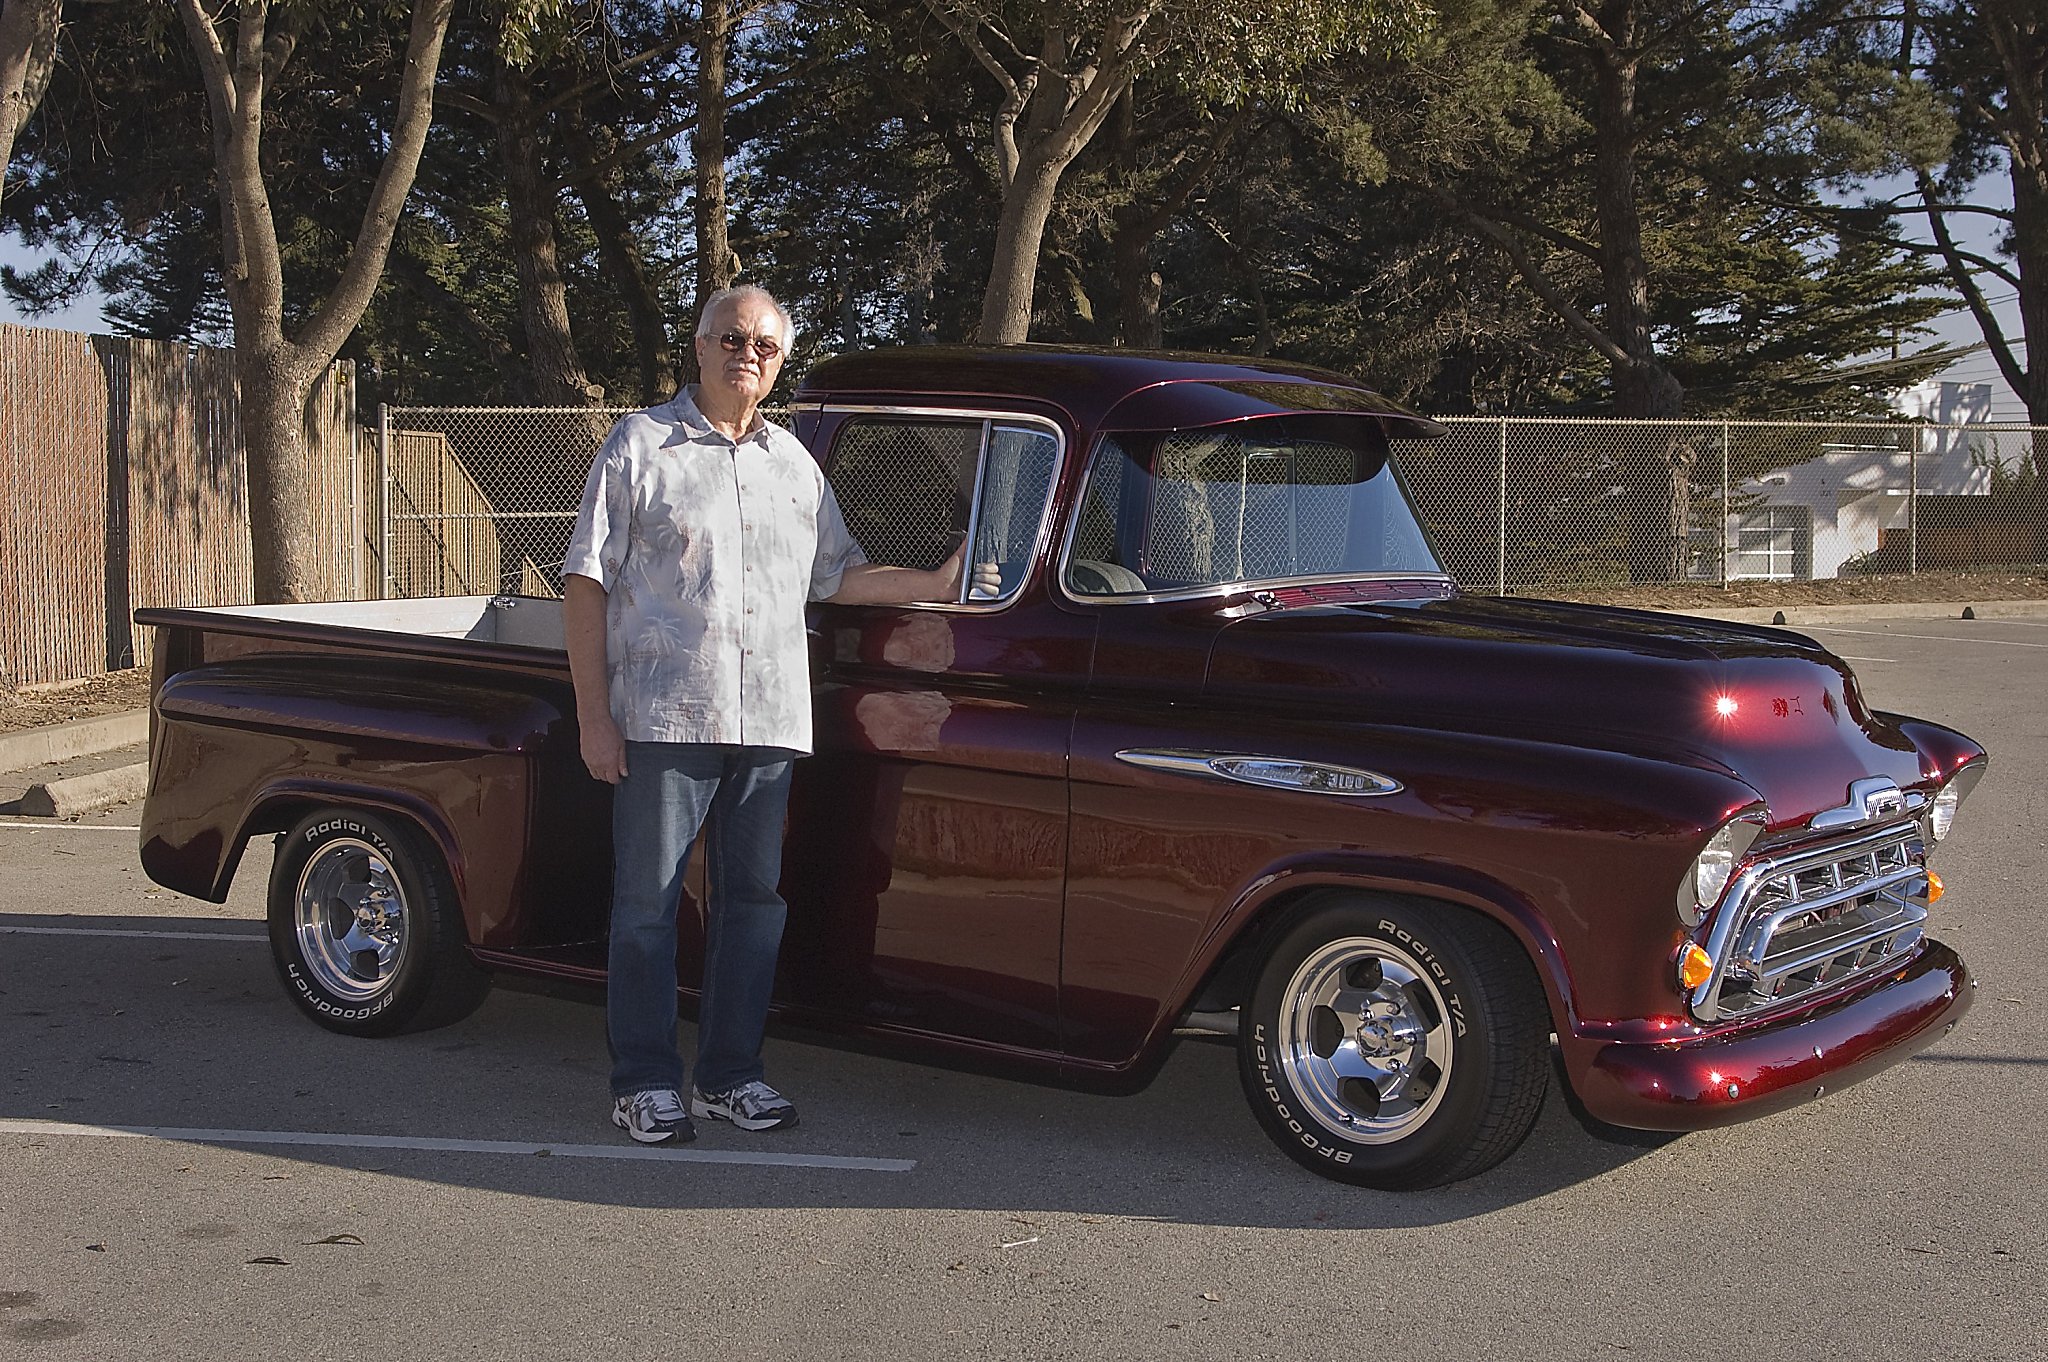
(669, 790)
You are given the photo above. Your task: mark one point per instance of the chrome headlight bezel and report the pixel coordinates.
(1941, 811)
(1713, 870)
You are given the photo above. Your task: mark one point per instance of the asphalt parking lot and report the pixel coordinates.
(189, 1169)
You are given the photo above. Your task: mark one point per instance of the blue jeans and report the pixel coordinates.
(657, 810)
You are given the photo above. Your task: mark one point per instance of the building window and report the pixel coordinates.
(1771, 544)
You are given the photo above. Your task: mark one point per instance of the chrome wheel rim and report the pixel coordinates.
(1365, 1040)
(350, 919)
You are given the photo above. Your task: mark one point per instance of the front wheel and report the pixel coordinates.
(365, 927)
(1395, 1043)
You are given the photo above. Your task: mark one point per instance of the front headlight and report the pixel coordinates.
(1708, 877)
(1941, 816)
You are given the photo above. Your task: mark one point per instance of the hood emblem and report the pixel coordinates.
(1872, 799)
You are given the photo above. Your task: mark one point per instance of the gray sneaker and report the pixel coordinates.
(750, 1106)
(654, 1117)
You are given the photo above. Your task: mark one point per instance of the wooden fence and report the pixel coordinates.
(127, 488)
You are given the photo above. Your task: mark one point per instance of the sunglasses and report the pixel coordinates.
(733, 343)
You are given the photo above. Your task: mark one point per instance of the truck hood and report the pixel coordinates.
(1770, 707)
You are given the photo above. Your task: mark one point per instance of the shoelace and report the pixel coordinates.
(657, 1106)
(754, 1097)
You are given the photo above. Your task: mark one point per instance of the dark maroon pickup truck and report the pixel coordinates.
(1216, 745)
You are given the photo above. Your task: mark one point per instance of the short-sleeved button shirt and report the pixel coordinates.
(707, 549)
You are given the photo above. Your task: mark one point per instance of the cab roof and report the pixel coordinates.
(1107, 389)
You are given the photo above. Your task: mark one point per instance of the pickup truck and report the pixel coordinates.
(1215, 743)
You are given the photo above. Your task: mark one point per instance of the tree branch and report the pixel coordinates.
(575, 93)
(322, 337)
(1540, 282)
(1965, 283)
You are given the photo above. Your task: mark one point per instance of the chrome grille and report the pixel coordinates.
(1809, 919)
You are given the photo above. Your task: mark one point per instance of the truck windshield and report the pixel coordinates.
(1273, 499)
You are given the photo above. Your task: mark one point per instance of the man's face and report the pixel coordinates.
(744, 374)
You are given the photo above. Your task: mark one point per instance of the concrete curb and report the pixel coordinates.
(86, 794)
(1796, 615)
(79, 738)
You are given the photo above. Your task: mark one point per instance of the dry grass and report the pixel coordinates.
(34, 706)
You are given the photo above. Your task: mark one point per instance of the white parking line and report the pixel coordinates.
(152, 936)
(1933, 638)
(1847, 658)
(431, 1145)
(75, 827)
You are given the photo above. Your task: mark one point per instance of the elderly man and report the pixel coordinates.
(703, 531)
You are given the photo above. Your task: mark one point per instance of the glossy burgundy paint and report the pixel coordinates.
(972, 868)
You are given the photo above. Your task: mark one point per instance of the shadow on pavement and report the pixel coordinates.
(176, 1032)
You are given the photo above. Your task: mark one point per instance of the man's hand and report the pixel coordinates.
(583, 612)
(604, 749)
(985, 583)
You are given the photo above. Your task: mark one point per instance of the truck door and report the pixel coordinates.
(926, 861)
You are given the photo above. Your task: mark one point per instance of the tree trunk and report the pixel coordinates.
(1138, 287)
(276, 373)
(716, 267)
(1660, 482)
(1642, 385)
(2030, 254)
(273, 420)
(618, 245)
(28, 47)
(558, 377)
(1006, 307)
(1049, 114)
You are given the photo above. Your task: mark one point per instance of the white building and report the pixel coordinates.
(1809, 519)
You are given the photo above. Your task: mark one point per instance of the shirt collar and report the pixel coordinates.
(685, 412)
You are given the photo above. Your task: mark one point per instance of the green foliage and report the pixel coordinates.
(1317, 165)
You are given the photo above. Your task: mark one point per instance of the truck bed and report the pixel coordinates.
(517, 621)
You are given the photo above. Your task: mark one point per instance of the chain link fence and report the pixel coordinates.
(478, 501)
(1530, 504)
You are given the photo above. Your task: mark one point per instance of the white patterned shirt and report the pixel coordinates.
(707, 550)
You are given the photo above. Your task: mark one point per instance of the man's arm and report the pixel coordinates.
(880, 584)
(583, 626)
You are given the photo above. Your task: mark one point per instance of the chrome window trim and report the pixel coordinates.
(974, 519)
(990, 419)
(1187, 761)
(1213, 589)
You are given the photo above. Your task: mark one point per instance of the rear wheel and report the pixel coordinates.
(1395, 1043)
(365, 927)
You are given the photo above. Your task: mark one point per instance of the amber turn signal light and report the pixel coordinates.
(1695, 966)
(1935, 888)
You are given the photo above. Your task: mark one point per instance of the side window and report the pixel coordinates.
(1016, 488)
(913, 488)
(905, 486)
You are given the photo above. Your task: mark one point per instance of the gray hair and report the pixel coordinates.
(734, 295)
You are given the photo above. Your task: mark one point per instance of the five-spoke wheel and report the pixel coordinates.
(1395, 1042)
(365, 926)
